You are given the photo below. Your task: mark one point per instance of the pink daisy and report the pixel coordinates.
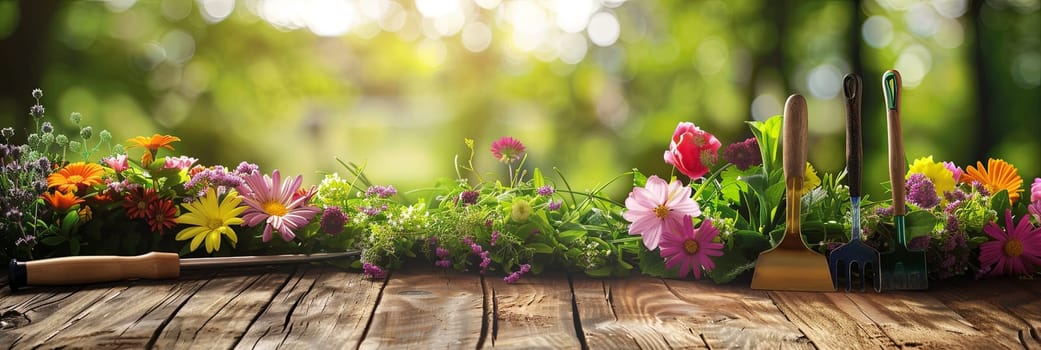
(277, 204)
(658, 208)
(691, 249)
(507, 149)
(1014, 251)
(182, 162)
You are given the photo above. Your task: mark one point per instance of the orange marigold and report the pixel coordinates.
(998, 175)
(75, 177)
(152, 144)
(61, 201)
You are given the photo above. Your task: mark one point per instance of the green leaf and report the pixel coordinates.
(919, 223)
(600, 272)
(639, 179)
(999, 202)
(537, 179)
(731, 185)
(53, 240)
(541, 248)
(571, 235)
(68, 223)
(768, 134)
(729, 266)
(748, 243)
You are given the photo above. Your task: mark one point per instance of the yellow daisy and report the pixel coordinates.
(211, 220)
(938, 174)
(810, 180)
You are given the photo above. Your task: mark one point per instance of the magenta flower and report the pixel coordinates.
(692, 150)
(1014, 251)
(691, 249)
(271, 200)
(117, 162)
(658, 209)
(507, 149)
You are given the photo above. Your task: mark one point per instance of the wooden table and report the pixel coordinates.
(314, 307)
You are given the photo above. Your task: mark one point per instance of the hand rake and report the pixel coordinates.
(854, 258)
(791, 265)
(901, 268)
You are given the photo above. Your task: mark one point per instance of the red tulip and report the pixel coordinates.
(692, 150)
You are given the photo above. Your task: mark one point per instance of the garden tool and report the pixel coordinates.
(901, 268)
(854, 258)
(95, 269)
(791, 265)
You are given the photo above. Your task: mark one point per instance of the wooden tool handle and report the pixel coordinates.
(851, 90)
(891, 86)
(794, 156)
(93, 269)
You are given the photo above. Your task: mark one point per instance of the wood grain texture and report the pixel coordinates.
(637, 312)
(320, 307)
(534, 313)
(218, 314)
(738, 317)
(831, 320)
(915, 319)
(428, 309)
(1005, 318)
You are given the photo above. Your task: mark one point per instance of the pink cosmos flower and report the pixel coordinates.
(275, 202)
(507, 149)
(117, 162)
(955, 170)
(1014, 251)
(182, 162)
(658, 209)
(691, 249)
(1035, 190)
(692, 150)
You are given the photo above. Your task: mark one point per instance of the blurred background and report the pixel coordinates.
(593, 87)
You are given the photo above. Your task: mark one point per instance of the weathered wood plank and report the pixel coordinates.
(320, 307)
(127, 319)
(534, 313)
(50, 311)
(427, 309)
(737, 317)
(1002, 316)
(218, 314)
(635, 312)
(831, 320)
(916, 319)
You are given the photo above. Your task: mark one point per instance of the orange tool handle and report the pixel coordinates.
(93, 269)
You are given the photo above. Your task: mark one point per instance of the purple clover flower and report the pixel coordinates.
(554, 205)
(495, 237)
(441, 252)
(744, 154)
(381, 191)
(373, 211)
(921, 191)
(333, 220)
(516, 275)
(469, 197)
(373, 271)
(443, 263)
(546, 191)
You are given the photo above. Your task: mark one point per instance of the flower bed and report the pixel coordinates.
(144, 197)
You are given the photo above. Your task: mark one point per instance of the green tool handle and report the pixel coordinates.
(891, 88)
